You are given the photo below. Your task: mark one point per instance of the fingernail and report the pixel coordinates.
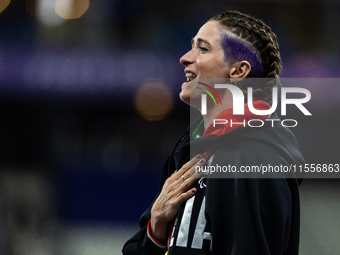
(199, 171)
(202, 160)
(198, 156)
(193, 191)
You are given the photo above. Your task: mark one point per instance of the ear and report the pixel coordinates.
(240, 70)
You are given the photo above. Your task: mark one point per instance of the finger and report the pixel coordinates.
(197, 172)
(183, 169)
(174, 173)
(196, 169)
(173, 176)
(186, 195)
(184, 186)
(192, 172)
(187, 166)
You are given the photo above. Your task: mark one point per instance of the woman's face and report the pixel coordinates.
(204, 60)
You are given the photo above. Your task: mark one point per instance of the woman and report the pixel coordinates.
(194, 214)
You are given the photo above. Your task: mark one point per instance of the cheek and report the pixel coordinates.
(206, 67)
(221, 68)
(212, 67)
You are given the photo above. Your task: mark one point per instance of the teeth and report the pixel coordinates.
(190, 76)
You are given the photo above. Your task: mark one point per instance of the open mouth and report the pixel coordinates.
(190, 76)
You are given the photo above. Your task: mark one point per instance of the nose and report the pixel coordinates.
(187, 58)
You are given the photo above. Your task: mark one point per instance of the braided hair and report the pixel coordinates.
(262, 40)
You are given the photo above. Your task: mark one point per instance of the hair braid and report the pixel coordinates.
(262, 38)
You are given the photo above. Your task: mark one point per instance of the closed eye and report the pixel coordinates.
(203, 49)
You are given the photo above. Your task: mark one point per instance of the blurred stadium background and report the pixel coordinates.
(89, 110)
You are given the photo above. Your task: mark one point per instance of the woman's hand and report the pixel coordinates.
(175, 191)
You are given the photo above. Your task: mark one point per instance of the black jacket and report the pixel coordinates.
(239, 216)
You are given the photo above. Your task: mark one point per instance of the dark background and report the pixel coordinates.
(81, 146)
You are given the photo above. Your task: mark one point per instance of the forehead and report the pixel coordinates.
(209, 32)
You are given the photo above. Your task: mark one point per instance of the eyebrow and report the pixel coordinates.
(200, 40)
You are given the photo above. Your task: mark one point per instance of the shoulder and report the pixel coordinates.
(265, 145)
(270, 138)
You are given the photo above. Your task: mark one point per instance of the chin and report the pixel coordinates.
(184, 97)
(193, 102)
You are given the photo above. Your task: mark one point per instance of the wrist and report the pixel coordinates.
(158, 230)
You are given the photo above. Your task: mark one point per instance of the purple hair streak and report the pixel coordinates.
(236, 50)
